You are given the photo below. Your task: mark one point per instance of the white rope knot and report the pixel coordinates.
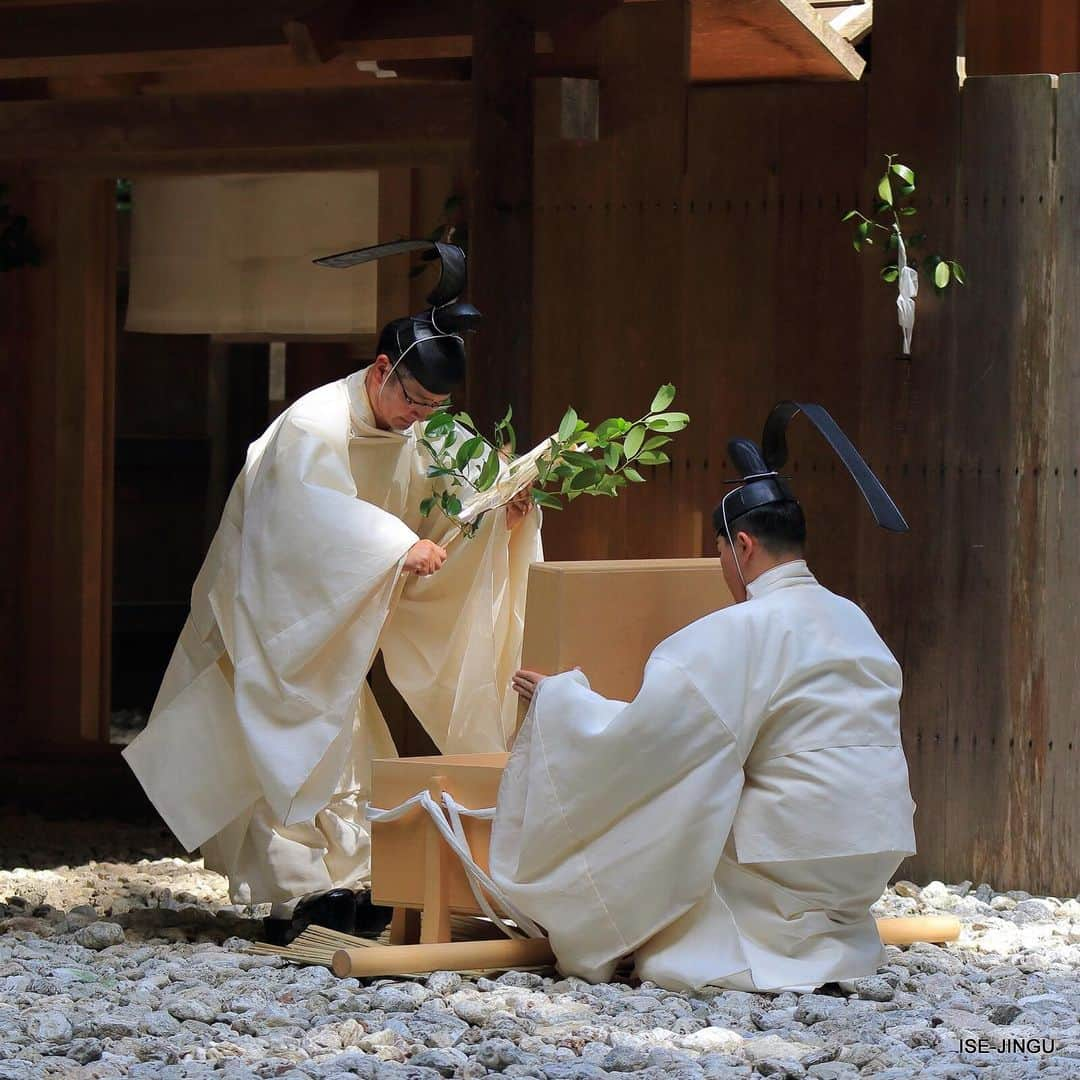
(447, 818)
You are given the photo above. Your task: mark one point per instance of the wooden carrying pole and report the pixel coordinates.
(442, 956)
(381, 960)
(906, 931)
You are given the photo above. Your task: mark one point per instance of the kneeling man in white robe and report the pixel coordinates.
(734, 822)
(260, 743)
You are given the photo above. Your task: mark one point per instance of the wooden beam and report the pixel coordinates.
(501, 215)
(302, 50)
(764, 40)
(855, 22)
(176, 127)
(282, 130)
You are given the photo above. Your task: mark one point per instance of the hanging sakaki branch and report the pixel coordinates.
(472, 475)
(893, 201)
(17, 246)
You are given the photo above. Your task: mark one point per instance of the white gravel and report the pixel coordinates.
(121, 957)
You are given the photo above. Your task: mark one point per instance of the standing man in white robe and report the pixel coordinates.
(733, 823)
(259, 746)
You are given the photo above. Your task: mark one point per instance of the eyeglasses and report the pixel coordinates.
(432, 405)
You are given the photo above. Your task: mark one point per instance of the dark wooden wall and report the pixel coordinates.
(720, 263)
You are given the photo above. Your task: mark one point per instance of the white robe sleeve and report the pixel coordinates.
(317, 569)
(591, 787)
(453, 641)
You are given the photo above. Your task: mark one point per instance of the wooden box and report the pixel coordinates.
(607, 617)
(398, 854)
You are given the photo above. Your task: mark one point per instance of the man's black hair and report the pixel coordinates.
(780, 527)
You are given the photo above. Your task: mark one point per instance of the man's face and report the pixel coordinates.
(400, 400)
(730, 570)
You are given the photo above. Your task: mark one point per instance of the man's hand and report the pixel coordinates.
(518, 508)
(525, 682)
(424, 558)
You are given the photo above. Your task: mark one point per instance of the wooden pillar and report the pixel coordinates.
(501, 217)
(15, 290)
(70, 323)
(907, 583)
(1003, 37)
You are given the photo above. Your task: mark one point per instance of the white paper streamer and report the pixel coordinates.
(907, 284)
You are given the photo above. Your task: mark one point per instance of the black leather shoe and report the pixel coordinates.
(336, 910)
(371, 919)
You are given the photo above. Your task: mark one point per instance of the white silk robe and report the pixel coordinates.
(259, 745)
(734, 822)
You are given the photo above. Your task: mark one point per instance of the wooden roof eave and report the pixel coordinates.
(767, 40)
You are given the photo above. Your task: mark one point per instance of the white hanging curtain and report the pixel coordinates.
(232, 254)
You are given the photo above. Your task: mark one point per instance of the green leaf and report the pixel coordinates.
(451, 504)
(884, 190)
(440, 421)
(633, 474)
(958, 273)
(863, 229)
(857, 244)
(904, 173)
(542, 498)
(427, 505)
(890, 274)
(670, 421)
(466, 419)
(488, 472)
(907, 211)
(575, 457)
(438, 470)
(508, 417)
(564, 472)
(611, 456)
(849, 215)
(567, 425)
(653, 441)
(616, 425)
(653, 457)
(664, 397)
(941, 275)
(585, 479)
(633, 441)
(469, 449)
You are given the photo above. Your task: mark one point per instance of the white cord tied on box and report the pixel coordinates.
(907, 284)
(453, 832)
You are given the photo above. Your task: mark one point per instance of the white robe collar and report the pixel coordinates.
(783, 576)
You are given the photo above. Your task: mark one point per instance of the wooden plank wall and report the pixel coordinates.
(698, 259)
(733, 278)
